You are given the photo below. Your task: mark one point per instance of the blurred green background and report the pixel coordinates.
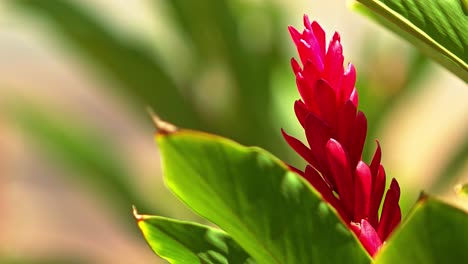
(76, 143)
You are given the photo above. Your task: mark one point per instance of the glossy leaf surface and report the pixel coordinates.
(437, 27)
(434, 232)
(270, 211)
(185, 242)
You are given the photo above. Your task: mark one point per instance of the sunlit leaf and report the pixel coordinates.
(434, 232)
(462, 190)
(268, 210)
(437, 27)
(184, 242)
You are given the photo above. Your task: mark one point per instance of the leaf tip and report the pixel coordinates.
(461, 190)
(162, 126)
(137, 216)
(464, 5)
(423, 197)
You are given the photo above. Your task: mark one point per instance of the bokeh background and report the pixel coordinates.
(76, 77)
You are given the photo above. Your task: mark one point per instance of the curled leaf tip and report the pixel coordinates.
(464, 5)
(423, 197)
(162, 126)
(137, 216)
(461, 190)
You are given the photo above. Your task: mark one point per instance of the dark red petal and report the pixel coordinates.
(325, 98)
(396, 220)
(295, 66)
(333, 71)
(313, 49)
(301, 111)
(312, 176)
(358, 138)
(307, 23)
(304, 89)
(341, 172)
(362, 191)
(300, 148)
(348, 82)
(295, 35)
(355, 227)
(311, 73)
(345, 123)
(375, 164)
(354, 97)
(369, 238)
(320, 35)
(395, 187)
(305, 51)
(378, 188)
(318, 134)
(389, 210)
(296, 170)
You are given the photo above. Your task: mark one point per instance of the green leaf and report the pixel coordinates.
(437, 27)
(434, 232)
(270, 211)
(186, 242)
(462, 190)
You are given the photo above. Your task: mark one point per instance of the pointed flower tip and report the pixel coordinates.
(395, 187)
(362, 167)
(307, 23)
(369, 238)
(292, 30)
(333, 145)
(295, 35)
(350, 73)
(316, 24)
(362, 191)
(336, 37)
(295, 66)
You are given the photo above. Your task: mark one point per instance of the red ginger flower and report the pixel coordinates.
(336, 132)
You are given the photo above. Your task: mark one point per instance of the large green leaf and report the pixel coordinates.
(185, 242)
(270, 211)
(433, 233)
(437, 27)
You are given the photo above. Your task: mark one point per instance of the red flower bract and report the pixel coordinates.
(336, 132)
